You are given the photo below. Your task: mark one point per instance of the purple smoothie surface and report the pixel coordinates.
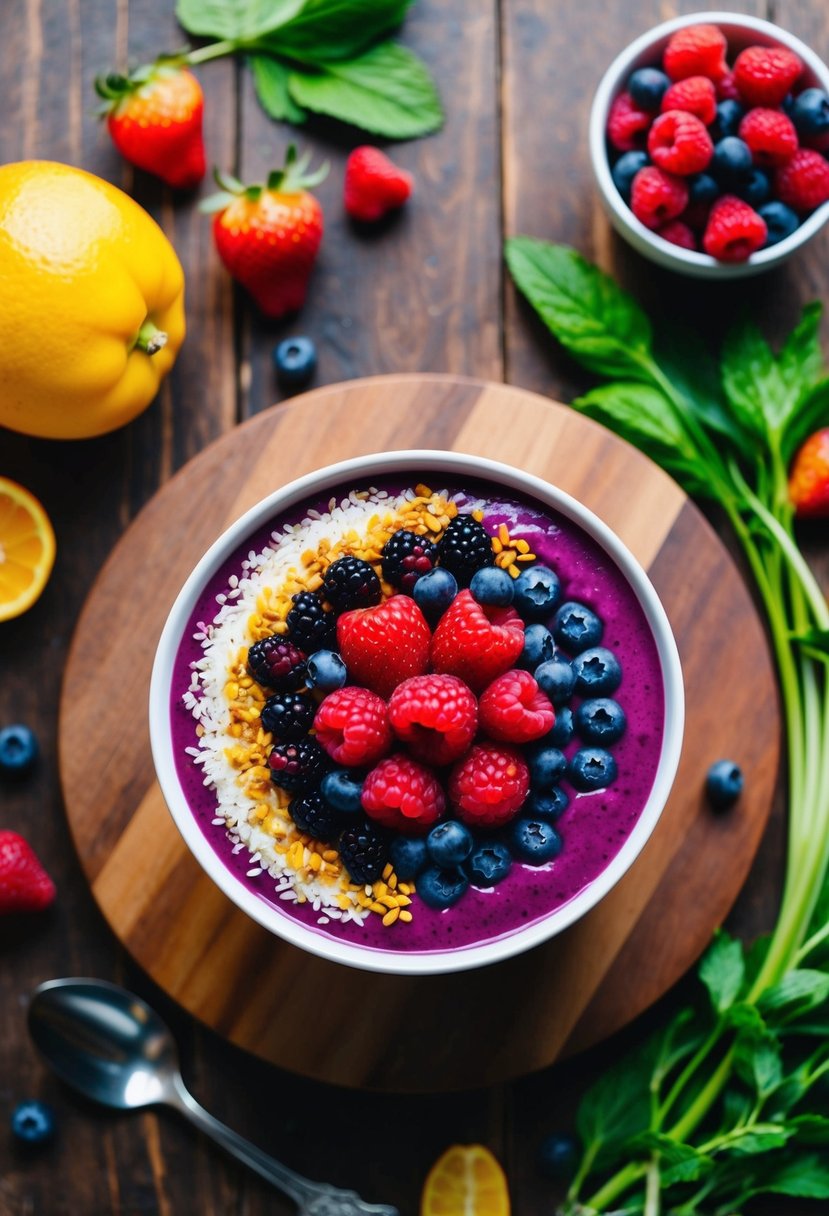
(594, 827)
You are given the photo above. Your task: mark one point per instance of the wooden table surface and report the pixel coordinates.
(426, 293)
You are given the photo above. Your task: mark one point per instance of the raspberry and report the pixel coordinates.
(309, 625)
(401, 794)
(678, 233)
(475, 642)
(515, 710)
(696, 50)
(803, 183)
(276, 663)
(489, 785)
(406, 556)
(765, 74)
(299, 766)
(657, 197)
(312, 814)
(364, 851)
(626, 124)
(351, 583)
(287, 715)
(726, 88)
(770, 135)
(437, 717)
(695, 95)
(679, 143)
(352, 724)
(385, 645)
(24, 884)
(734, 230)
(465, 548)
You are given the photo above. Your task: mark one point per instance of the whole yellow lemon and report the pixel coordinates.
(92, 301)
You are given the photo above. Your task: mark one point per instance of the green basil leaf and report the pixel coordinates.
(722, 970)
(617, 1107)
(387, 91)
(805, 1176)
(237, 20)
(811, 414)
(796, 994)
(270, 77)
(751, 380)
(324, 31)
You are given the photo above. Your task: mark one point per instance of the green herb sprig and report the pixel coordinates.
(727, 1100)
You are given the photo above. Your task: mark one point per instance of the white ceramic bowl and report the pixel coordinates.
(647, 50)
(418, 466)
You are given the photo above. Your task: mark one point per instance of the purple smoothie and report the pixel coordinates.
(593, 828)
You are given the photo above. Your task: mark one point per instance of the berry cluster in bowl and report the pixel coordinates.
(727, 158)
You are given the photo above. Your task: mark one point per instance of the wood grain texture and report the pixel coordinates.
(619, 959)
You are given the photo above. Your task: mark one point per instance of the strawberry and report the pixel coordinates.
(268, 235)
(809, 477)
(476, 642)
(384, 645)
(24, 884)
(155, 120)
(373, 184)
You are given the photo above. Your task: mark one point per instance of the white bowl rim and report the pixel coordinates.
(670, 255)
(351, 472)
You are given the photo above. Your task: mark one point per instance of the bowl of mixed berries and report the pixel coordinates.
(416, 712)
(709, 139)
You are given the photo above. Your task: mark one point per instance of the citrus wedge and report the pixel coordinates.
(27, 549)
(466, 1181)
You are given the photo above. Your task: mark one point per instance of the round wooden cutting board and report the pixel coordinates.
(408, 1033)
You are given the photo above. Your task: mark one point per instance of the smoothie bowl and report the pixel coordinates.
(416, 712)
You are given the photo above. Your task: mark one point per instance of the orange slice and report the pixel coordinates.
(466, 1181)
(27, 549)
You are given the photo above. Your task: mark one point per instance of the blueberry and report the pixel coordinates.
(727, 122)
(702, 188)
(754, 188)
(326, 671)
(537, 591)
(557, 678)
(646, 86)
(33, 1122)
(625, 169)
(564, 728)
(408, 856)
(597, 672)
(539, 646)
(449, 844)
(434, 592)
(546, 804)
(546, 765)
(342, 790)
(601, 720)
(731, 161)
(575, 627)
(810, 112)
(492, 586)
(592, 768)
(723, 784)
(533, 841)
(441, 888)
(781, 221)
(489, 863)
(557, 1156)
(295, 361)
(18, 750)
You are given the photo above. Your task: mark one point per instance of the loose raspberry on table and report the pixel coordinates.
(385, 645)
(436, 716)
(476, 642)
(679, 143)
(489, 785)
(657, 197)
(514, 709)
(276, 663)
(402, 794)
(771, 136)
(24, 884)
(696, 50)
(765, 74)
(734, 230)
(803, 183)
(678, 234)
(407, 557)
(627, 124)
(695, 95)
(352, 725)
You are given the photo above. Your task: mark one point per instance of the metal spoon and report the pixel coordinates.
(113, 1048)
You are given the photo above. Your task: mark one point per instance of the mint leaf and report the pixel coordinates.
(270, 78)
(810, 1129)
(760, 1138)
(758, 1061)
(795, 995)
(722, 970)
(618, 1107)
(751, 379)
(803, 1176)
(801, 360)
(234, 19)
(324, 31)
(387, 91)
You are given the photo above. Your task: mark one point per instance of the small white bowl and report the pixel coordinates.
(417, 466)
(646, 51)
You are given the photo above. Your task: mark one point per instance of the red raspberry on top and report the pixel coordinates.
(436, 716)
(515, 710)
(657, 197)
(765, 74)
(403, 795)
(771, 136)
(803, 183)
(678, 234)
(24, 884)
(696, 50)
(384, 645)
(373, 184)
(476, 642)
(679, 143)
(695, 95)
(726, 88)
(734, 230)
(489, 785)
(626, 124)
(809, 477)
(352, 724)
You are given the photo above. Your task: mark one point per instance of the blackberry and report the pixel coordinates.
(288, 716)
(276, 663)
(312, 814)
(351, 583)
(309, 625)
(465, 548)
(406, 556)
(364, 851)
(298, 766)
